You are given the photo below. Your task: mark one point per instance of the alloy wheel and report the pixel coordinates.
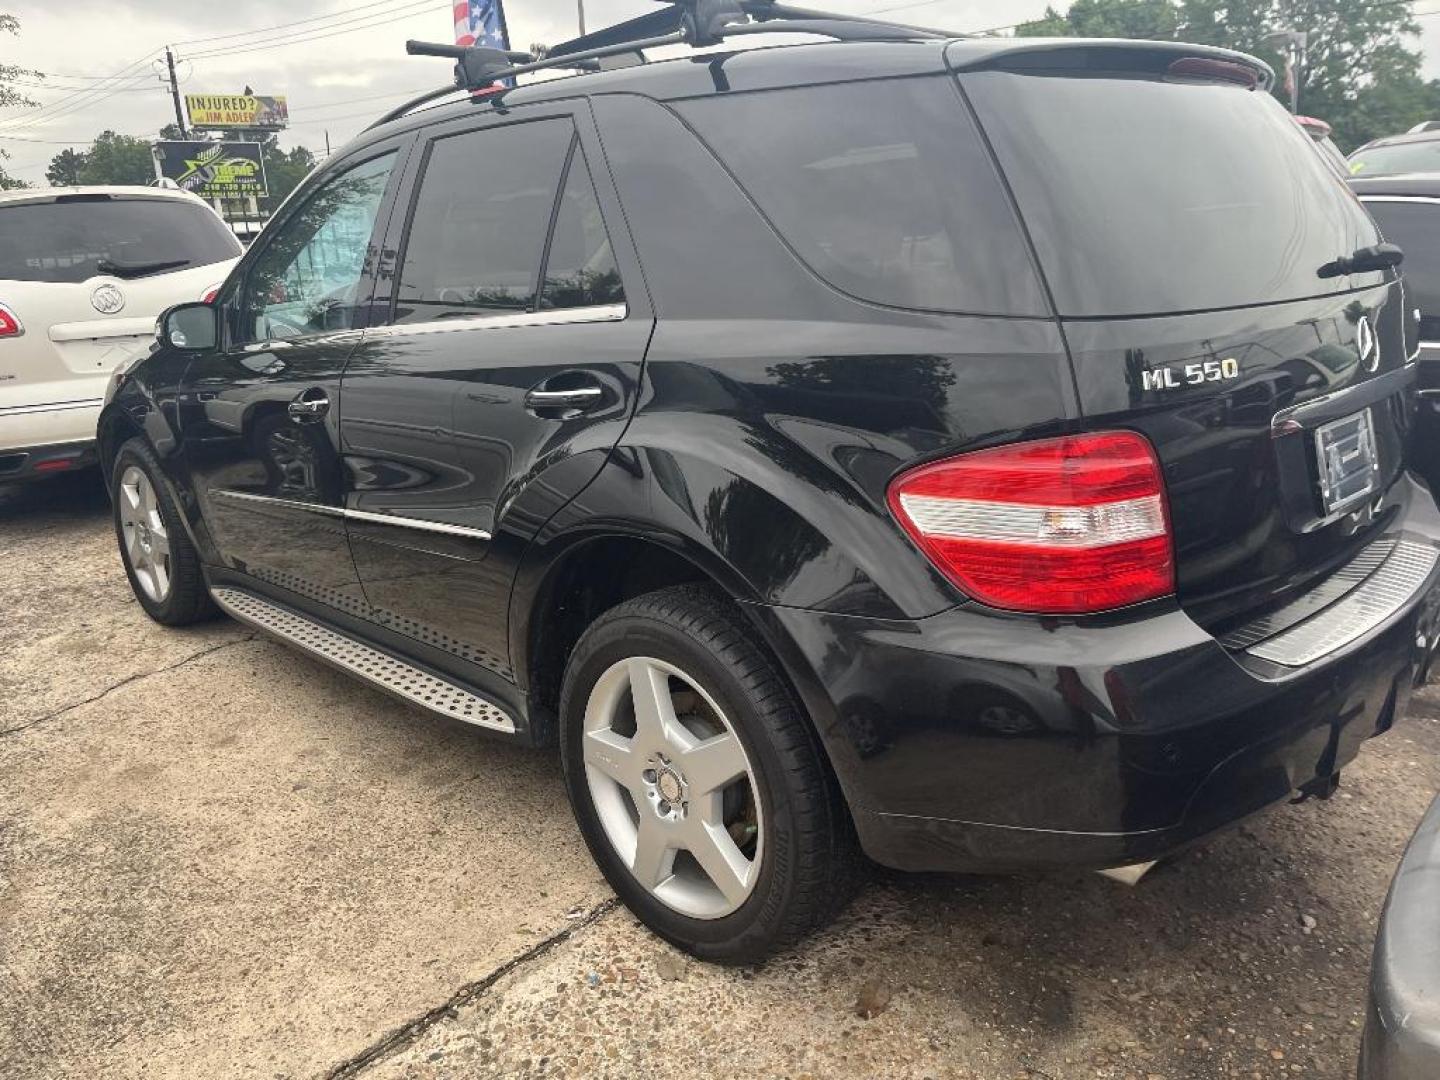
(146, 542)
(673, 787)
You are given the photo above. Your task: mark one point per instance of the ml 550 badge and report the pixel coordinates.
(1171, 376)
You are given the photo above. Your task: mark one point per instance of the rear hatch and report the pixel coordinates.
(1181, 219)
(86, 275)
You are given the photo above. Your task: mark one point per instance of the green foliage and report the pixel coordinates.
(65, 168)
(10, 97)
(1360, 73)
(283, 172)
(118, 159)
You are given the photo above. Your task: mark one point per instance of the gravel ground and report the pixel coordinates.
(218, 858)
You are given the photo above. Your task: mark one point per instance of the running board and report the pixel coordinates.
(379, 669)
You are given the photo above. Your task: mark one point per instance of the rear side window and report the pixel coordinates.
(488, 201)
(884, 188)
(1146, 196)
(580, 268)
(1397, 158)
(77, 237)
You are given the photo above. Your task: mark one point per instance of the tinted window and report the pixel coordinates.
(69, 239)
(480, 221)
(308, 278)
(884, 188)
(1145, 196)
(580, 267)
(1415, 226)
(1416, 157)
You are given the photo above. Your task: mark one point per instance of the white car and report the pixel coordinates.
(83, 274)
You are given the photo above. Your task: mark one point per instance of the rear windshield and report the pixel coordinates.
(884, 188)
(73, 239)
(1147, 196)
(1397, 158)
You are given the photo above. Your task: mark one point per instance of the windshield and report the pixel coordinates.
(1396, 158)
(1150, 196)
(77, 237)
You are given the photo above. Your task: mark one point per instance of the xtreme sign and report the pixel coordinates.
(213, 170)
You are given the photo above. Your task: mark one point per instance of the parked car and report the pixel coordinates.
(1407, 209)
(1402, 1025)
(894, 442)
(1413, 152)
(83, 274)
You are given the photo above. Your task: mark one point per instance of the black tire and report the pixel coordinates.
(188, 598)
(809, 863)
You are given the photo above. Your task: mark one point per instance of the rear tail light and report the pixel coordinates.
(9, 323)
(1065, 526)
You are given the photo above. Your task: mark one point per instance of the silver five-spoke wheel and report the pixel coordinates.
(147, 545)
(673, 787)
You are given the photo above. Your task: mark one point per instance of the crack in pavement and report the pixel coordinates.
(408, 1032)
(123, 682)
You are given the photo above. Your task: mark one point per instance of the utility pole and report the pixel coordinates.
(175, 93)
(580, 8)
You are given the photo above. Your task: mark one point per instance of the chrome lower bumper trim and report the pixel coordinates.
(1385, 591)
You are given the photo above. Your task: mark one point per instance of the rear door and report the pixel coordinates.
(508, 368)
(1413, 222)
(260, 416)
(1182, 222)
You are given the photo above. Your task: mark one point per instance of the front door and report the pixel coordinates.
(506, 371)
(260, 417)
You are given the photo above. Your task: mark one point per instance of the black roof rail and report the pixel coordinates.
(680, 22)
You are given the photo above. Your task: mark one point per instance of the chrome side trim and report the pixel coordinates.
(380, 669)
(1399, 198)
(356, 515)
(563, 316)
(1362, 609)
(58, 406)
(415, 523)
(290, 504)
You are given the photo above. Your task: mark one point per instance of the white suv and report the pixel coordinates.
(83, 274)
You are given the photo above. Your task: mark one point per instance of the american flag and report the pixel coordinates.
(481, 22)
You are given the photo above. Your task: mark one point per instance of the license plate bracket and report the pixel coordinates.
(1348, 466)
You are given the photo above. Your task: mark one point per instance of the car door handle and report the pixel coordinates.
(310, 405)
(580, 398)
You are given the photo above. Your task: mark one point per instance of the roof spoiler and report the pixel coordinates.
(1162, 58)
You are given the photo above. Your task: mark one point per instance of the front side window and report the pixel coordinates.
(308, 278)
(477, 234)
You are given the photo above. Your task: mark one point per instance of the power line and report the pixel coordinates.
(412, 9)
(281, 26)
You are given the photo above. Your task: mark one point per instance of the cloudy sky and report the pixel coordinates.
(340, 62)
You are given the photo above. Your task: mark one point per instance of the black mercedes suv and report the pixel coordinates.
(981, 454)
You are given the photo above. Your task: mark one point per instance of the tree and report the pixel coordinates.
(118, 159)
(10, 97)
(66, 167)
(1359, 73)
(283, 173)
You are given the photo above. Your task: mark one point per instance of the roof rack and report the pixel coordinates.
(698, 23)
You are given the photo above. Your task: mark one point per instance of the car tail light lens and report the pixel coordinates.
(1065, 526)
(9, 324)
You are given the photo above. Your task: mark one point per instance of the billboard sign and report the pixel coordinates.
(237, 111)
(214, 170)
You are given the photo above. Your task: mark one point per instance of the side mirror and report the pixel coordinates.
(189, 327)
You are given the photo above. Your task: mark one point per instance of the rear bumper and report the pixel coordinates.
(974, 740)
(1402, 1029)
(39, 462)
